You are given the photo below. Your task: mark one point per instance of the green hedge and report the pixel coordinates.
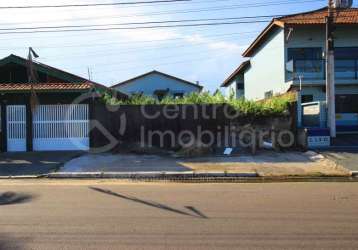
(274, 106)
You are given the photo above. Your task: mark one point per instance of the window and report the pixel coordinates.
(161, 93)
(268, 94)
(240, 86)
(347, 103)
(306, 59)
(178, 95)
(306, 98)
(304, 54)
(346, 53)
(346, 62)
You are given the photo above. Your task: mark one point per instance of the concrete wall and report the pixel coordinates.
(267, 71)
(150, 83)
(314, 36)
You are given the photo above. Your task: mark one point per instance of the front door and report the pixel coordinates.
(16, 128)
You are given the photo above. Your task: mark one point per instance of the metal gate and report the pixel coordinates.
(16, 128)
(61, 127)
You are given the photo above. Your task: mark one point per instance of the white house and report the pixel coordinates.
(157, 84)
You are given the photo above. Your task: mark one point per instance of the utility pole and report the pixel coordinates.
(330, 71)
(89, 73)
(32, 78)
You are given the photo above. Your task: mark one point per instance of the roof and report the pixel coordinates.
(15, 87)
(317, 17)
(243, 66)
(340, 16)
(65, 76)
(160, 73)
(75, 82)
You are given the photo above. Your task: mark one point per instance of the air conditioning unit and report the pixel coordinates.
(343, 4)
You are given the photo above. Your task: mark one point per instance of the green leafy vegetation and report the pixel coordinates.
(277, 105)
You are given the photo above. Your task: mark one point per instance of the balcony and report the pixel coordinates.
(315, 70)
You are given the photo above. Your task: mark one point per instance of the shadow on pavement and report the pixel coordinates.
(11, 198)
(196, 211)
(10, 243)
(152, 204)
(33, 163)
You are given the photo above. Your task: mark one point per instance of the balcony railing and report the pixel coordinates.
(316, 70)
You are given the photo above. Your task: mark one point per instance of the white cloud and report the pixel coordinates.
(220, 50)
(214, 44)
(83, 16)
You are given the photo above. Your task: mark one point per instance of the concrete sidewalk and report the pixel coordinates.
(264, 164)
(346, 159)
(33, 163)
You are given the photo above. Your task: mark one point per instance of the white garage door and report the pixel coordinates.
(61, 127)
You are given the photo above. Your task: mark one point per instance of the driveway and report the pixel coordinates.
(33, 163)
(123, 163)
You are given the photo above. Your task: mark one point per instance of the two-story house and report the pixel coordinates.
(288, 55)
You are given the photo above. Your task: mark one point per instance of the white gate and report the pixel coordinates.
(61, 127)
(16, 128)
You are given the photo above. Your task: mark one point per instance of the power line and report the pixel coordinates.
(91, 35)
(130, 43)
(135, 28)
(150, 22)
(35, 29)
(186, 11)
(138, 23)
(91, 4)
(142, 49)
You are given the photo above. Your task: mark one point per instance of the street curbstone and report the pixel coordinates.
(21, 177)
(148, 175)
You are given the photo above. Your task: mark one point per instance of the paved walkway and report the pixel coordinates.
(265, 163)
(348, 160)
(122, 163)
(33, 163)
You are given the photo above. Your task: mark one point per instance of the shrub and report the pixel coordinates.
(277, 105)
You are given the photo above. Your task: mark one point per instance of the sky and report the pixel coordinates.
(207, 54)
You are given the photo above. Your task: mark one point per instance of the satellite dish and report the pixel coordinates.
(343, 4)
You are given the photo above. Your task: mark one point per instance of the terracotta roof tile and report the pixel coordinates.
(44, 86)
(341, 16)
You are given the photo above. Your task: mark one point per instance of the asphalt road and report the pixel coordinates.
(106, 215)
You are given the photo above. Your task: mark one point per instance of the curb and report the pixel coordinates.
(22, 177)
(148, 175)
(190, 177)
